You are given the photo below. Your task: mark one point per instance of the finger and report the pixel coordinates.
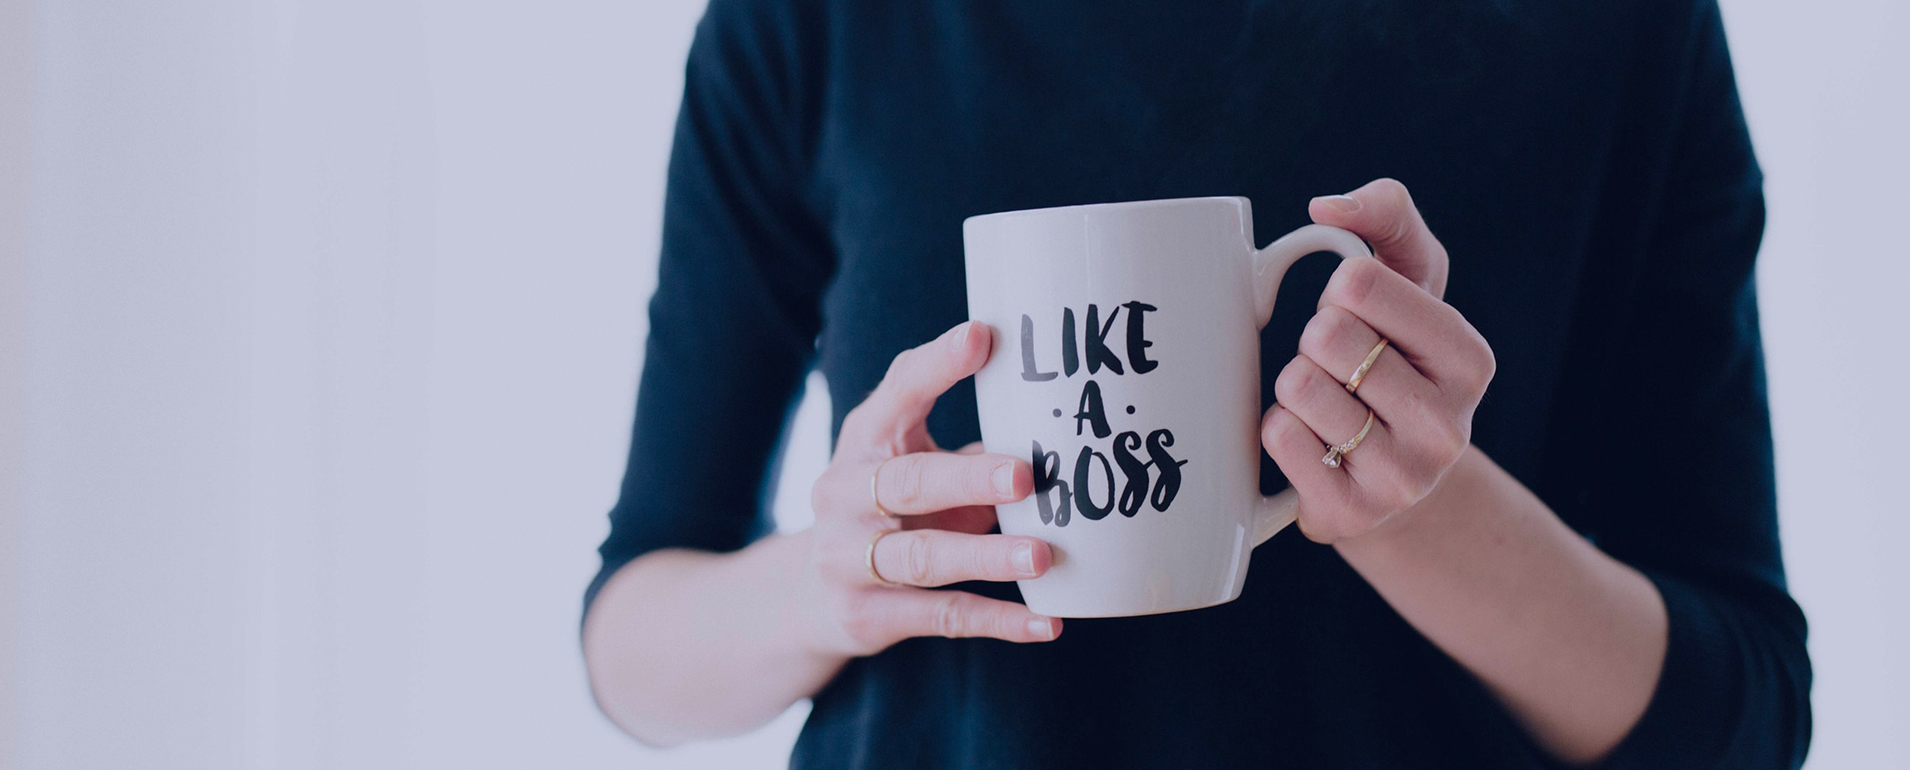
(958, 614)
(1297, 451)
(932, 557)
(926, 482)
(1382, 212)
(914, 380)
(1430, 334)
(1339, 341)
(1386, 474)
(1333, 414)
(973, 519)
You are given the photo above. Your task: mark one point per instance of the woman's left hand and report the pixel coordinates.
(1422, 389)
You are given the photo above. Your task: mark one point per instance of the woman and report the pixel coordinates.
(1579, 567)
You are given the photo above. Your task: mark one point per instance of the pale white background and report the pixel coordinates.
(320, 322)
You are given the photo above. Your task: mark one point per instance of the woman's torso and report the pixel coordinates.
(1509, 122)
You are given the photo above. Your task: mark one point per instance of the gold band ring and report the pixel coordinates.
(1331, 460)
(1359, 375)
(869, 560)
(876, 497)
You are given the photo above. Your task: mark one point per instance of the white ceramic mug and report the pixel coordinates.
(1126, 368)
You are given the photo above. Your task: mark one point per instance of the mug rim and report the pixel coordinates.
(1112, 205)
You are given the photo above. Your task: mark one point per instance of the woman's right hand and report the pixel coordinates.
(942, 509)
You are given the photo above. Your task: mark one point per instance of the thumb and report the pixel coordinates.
(1382, 213)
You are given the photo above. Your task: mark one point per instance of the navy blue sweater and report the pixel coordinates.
(1588, 166)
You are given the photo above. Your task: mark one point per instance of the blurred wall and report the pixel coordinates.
(1826, 87)
(328, 314)
(16, 67)
(320, 322)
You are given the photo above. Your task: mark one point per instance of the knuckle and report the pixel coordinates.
(899, 365)
(1295, 382)
(853, 421)
(1314, 380)
(1284, 428)
(950, 621)
(918, 561)
(1286, 438)
(1467, 382)
(822, 494)
(1477, 362)
(818, 498)
(1400, 201)
(1354, 283)
(1332, 329)
(866, 629)
(1400, 230)
(1286, 387)
(1393, 189)
(1453, 442)
(1270, 430)
(903, 488)
(851, 610)
(841, 556)
(1462, 381)
(1485, 365)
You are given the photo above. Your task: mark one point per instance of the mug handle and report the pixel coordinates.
(1270, 265)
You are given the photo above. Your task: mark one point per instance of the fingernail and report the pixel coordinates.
(1340, 203)
(1024, 558)
(1041, 628)
(1005, 481)
(961, 334)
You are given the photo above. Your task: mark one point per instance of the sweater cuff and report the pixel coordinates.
(1699, 701)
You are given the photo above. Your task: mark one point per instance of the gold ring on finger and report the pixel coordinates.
(1332, 458)
(869, 559)
(1366, 365)
(875, 496)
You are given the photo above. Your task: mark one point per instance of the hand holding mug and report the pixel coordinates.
(896, 515)
(1422, 387)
